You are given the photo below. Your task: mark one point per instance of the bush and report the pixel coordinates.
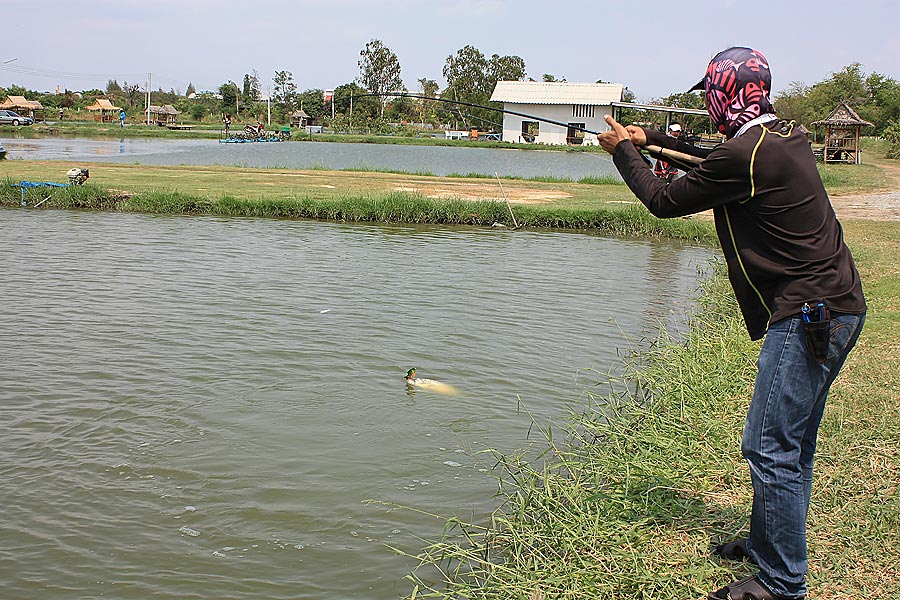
(892, 135)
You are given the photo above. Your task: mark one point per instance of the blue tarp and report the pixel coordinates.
(33, 184)
(24, 185)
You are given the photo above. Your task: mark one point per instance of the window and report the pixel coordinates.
(583, 110)
(574, 134)
(530, 130)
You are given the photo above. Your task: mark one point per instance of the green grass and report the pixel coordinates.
(390, 207)
(624, 500)
(844, 179)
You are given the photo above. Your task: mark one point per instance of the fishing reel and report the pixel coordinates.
(77, 176)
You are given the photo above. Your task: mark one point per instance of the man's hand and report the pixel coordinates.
(609, 140)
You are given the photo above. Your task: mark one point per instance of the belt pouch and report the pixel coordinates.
(817, 337)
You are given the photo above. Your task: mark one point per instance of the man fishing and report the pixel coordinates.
(796, 285)
(663, 168)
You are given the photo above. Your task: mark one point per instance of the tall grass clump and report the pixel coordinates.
(625, 501)
(602, 180)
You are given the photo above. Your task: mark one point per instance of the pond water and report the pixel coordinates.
(437, 160)
(201, 407)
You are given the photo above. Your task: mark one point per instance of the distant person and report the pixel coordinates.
(122, 117)
(60, 114)
(227, 121)
(260, 128)
(665, 170)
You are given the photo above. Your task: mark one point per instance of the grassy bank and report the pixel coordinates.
(625, 500)
(595, 203)
(345, 196)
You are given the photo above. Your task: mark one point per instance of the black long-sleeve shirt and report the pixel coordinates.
(782, 242)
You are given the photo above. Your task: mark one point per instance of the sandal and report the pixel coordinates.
(736, 550)
(745, 589)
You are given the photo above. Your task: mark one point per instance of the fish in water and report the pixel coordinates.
(429, 384)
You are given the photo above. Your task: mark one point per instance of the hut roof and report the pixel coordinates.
(842, 116)
(168, 109)
(102, 104)
(21, 102)
(300, 114)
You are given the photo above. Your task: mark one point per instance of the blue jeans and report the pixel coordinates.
(780, 440)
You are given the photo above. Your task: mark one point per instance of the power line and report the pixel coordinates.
(38, 72)
(91, 77)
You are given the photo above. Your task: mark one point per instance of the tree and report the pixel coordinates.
(550, 78)
(429, 87)
(190, 89)
(793, 103)
(426, 107)
(198, 111)
(884, 95)
(285, 91)
(112, 87)
(402, 108)
(134, 93)
(844, 86)
(312, 103)
(250, 90)
(892, 134)
(251, 86)
(471, 78)
(363, 106)
(229, 92)
(505, 68)
(379, 70)
(467, 81)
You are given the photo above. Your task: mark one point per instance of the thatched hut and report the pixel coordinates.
(29, 108)
(842, 132)
(105, 110)
(164, 115)
(299, 118)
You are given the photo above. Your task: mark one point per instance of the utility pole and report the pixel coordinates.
(149, 82)
(269, 105)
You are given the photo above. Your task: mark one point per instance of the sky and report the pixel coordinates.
(654, 48)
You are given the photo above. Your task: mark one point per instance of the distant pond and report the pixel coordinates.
(437, 160)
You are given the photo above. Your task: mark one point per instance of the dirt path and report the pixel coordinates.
(880, 206)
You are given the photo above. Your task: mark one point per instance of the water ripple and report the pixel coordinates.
(252, 371)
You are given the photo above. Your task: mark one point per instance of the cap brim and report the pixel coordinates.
(700, 85)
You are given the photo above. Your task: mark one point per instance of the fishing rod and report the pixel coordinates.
(683, 161)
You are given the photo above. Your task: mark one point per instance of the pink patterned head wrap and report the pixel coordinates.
(737, 84)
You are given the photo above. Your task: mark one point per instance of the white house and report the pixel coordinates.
(573, 104)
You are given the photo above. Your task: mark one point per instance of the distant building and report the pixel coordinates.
(579, 105)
